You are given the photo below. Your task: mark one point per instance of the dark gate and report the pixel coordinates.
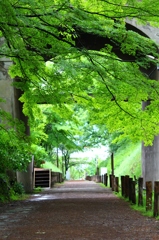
(42, 177)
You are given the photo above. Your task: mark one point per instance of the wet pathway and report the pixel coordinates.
(78, 210)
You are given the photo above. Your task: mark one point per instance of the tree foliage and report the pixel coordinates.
(82, 52)
(15, 151)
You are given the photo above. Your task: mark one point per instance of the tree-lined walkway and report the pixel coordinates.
(76, 210)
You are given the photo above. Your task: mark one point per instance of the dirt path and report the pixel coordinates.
(78, 210)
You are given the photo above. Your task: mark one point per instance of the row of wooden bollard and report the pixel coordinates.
(129, 187)
(149, 193)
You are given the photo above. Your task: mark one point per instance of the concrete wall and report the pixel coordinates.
(14, 107)
(6, 90)
(150, 154)
(151, 32)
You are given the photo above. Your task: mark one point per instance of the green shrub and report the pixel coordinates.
(18, 188)
(4, 188)
(9, 191)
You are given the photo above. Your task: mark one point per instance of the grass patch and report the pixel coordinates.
(37, 190)
(141, 209)
(20, 197)
(49, 165)
(127, 161)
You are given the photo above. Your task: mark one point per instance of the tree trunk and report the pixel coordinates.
(26, 178)
(57, 157)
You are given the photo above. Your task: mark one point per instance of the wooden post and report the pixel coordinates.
(133, 192)
(112, 163)
(126, 186)
(105, 179)
(156, 199)
(140, 190)
(130, 189)
(116, 184)
(110, 180)
(101, 178)
(98, 178)
(123, 186)
(112, 173)
(49, 178)
(148, 196)
(113, 182)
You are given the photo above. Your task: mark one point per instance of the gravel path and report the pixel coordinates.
(75, 210)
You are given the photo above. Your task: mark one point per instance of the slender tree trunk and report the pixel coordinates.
(57, 157)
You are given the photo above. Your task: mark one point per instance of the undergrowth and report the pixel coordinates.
(136, 207)
(127, 161)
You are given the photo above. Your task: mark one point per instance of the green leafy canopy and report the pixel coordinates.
(60, 58)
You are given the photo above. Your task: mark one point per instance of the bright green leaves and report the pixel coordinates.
(59, 131)
(134, 44)
(116, 100)
(14, 145)
(42, 38)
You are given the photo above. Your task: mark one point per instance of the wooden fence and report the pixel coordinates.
(132, 189)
